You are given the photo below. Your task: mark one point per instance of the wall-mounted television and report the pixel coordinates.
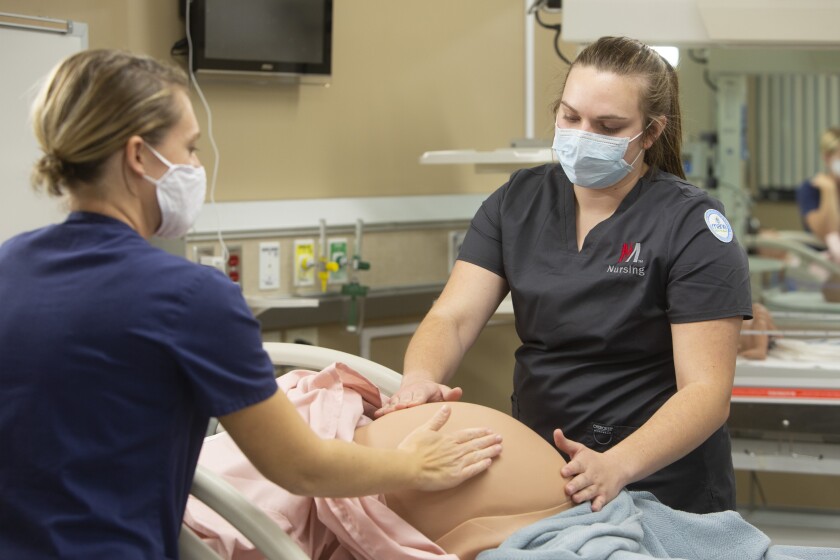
(268, 38)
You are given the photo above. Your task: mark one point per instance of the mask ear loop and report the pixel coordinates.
(169, 165)
(162, 159)
(642, 150)
(659, 122)
(635, 159)
(644, 129)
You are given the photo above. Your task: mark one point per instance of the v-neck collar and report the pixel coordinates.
(570, 215)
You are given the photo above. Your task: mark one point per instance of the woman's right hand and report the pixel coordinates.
(413, 393)
(445, 460)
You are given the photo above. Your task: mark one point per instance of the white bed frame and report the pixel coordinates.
(274, 544)
(799, 244)
(775, 381)
(220, 496)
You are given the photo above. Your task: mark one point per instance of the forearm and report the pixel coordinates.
(684, 422)
(277, 441)
(453, 324)
(339, 469)
(435, 350)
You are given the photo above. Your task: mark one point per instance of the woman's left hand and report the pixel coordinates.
(595, 476)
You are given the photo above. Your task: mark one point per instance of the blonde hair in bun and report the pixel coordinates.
(91, 104)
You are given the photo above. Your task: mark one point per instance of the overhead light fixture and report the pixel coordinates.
(705, 23)
(671, 54)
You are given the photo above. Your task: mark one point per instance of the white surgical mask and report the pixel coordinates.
(593, 160)
(180, 195)
(835, 167)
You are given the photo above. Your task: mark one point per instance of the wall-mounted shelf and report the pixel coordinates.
(502, 155)
(503, 160)
(261, 304)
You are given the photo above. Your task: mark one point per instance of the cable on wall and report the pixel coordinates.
(704, 61)
(540, 5)
(210, 134)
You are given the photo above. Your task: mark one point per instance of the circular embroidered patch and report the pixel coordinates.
(718, 225)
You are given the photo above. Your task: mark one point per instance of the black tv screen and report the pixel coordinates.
(283, 37)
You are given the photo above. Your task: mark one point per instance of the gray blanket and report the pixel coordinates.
(636, 525)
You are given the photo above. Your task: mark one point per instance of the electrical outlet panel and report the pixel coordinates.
(199, 251)
(269, 265)
(234, 264)
(214, 261)
(232, 267)
(304, 263)
(338, 254)
(456, 239)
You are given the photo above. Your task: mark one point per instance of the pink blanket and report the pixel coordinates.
(333, 402)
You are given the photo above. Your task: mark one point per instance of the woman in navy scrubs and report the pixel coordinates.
(628, 287)
(115, 354)
(819, 196)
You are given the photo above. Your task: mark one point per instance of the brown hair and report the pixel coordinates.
(91, 104)
(658, 93)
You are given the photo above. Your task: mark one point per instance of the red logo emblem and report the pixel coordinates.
(630, 251)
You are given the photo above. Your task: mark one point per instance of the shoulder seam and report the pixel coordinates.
(685, 200)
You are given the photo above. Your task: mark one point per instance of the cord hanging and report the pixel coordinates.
(556, 27)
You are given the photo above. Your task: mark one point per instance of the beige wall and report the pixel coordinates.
(148, 26)
(408, 77)
(485, 375)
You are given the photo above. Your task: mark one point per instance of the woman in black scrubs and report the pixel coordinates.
(628, 288)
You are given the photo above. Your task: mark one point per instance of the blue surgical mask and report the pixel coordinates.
(592, 160)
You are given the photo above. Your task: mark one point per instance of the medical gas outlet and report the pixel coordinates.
(304, 263)
(338, 254)
(325, 268)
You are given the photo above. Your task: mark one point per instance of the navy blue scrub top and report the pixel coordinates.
(808, 200)
(596, 357)
(113, 356)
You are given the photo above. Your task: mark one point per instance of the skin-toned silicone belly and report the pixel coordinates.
(521, 487)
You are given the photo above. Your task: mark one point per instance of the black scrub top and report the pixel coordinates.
(597, 357)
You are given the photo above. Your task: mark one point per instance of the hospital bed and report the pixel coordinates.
(784, 415)
(778, 422)
(772, 277)
(785, 409)
(248, 519)
(783, 419)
